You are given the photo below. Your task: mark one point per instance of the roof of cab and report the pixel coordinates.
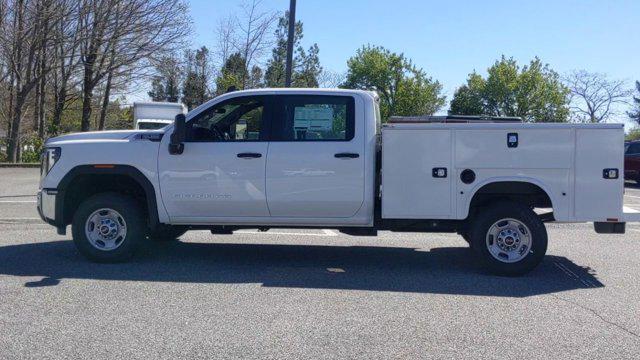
(275, 91)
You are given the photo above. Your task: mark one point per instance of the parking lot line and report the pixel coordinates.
(17, 201)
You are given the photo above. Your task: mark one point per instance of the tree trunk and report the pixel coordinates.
(105, 102)
(85, 124)
(59, 108)
(87, 95)
(36, 110)
(13, 142)
(41, 90)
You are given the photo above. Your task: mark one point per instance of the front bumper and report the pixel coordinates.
(47, 208)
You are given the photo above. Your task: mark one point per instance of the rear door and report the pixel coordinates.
(315, 165)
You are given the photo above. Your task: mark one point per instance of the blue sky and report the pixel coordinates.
(449, 39)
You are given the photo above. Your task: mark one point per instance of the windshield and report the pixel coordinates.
(151, 125)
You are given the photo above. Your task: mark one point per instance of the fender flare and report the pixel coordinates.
(126, 170)
(491, 180)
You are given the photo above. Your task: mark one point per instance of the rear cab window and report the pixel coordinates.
(314, 118)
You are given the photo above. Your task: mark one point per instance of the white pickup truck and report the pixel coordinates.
(321, 159)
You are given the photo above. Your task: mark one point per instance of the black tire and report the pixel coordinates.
(480, 238)
(167, 232)
(132, 215)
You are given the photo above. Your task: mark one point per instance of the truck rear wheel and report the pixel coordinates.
(509, 238)
(108, 227)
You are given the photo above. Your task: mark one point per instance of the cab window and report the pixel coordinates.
(237, 119)
(315, 118)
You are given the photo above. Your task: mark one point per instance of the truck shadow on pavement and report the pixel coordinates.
(445, 270)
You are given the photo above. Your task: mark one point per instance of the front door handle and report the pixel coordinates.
(249, 155)
(347, 155)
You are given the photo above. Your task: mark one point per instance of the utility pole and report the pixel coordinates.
(290, 38)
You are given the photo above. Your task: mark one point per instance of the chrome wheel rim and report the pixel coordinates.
(509, 240)
(105, 229)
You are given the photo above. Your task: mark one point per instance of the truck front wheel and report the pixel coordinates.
(509, 238)
(108, 227)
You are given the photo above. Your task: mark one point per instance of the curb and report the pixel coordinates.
(19, 165)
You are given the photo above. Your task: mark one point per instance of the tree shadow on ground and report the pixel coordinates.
(446, 270)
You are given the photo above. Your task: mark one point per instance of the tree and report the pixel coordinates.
(467, 99)
(232, 74)
(248, 37)
(118, 34)
(331, 79)
(635, 113)
(594, 96)
(633, 135)
(253, 39)
(403, 88)
(306, 64)
(165, 85)
(307, 67)
(25, 34)
(533, 92)
(195, 88)
(64, 81)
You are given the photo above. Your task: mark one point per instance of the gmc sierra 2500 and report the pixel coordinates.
(321, 158)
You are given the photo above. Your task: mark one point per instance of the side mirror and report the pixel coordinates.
(176, 144)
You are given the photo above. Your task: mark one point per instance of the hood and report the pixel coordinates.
(101, 135)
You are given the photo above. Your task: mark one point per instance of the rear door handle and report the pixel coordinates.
(249, 155)
(347, 155)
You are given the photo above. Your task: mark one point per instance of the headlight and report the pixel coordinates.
(48, 159)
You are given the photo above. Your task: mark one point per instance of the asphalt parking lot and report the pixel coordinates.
(311, 294)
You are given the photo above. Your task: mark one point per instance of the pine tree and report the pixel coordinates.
(306, 65)
(195, 88)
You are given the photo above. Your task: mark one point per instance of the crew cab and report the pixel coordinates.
(322, 159)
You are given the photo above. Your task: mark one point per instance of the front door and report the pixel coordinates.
(221, 172)
(316, 161)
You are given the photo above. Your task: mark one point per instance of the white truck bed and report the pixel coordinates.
(567, 161)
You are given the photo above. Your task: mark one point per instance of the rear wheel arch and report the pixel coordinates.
(84, 181)
(524, 191)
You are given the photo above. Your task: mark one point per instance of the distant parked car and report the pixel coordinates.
(632, 161)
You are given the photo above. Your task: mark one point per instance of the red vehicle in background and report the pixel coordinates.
(632, 161)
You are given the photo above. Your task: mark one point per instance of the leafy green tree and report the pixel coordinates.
(307, 68)
(165, 85)
(633, 135)
(195, 88)
(306, 64)
(233, 73)
(467, 99)
(403, 88)
(533, 92)
(635, 113)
